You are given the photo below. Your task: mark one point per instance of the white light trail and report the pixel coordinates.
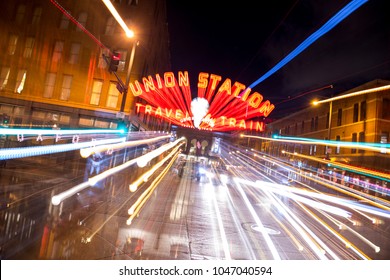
(222, 232)
(115, 14)
(265, 234)
(37, 131)
(51, 149)
(86, 152)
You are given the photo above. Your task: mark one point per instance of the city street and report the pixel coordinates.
(197, 210)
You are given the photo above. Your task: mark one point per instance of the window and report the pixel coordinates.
(312, 124)
(362, 139)
(312, 150)
(66, 86)
(384, 140)
(96, 91)
(316, 123)
(110, 26)
(132, 2)
(363, 110)
(4, 75)
(354, 139)
(28, 47)
(82, 20)
(386, 108)
(37, 14)
(49, 85)
(20, 13)
(20, 80)
(339, 116)
(13, 40)
(338, 147)
(303, 127)
(355, 112)
(113, 96)
(64, 23)
(57, 53)
(74, 53)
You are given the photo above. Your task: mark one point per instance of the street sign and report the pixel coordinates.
(120, 115)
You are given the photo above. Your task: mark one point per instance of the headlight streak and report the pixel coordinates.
(318, 206)
(376, 147)
(57, 199)
(86, 152)
(293, 238)
(222, 232)
(340, 201)
(338, 187)
(346, 242)
(335, 143)
(143, 160)
(343, 226)
(346, 203)
(295, 222)
(356, 93)
(297, 243)
(223, 179)
(347, 191)
(333, 200)
(145, 176)
(376, 174)
(137, 206)
(43, 132)
(256, 218)
(13, 153)
(153, 186)
(318, 247)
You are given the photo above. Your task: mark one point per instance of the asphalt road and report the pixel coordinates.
(218, 215)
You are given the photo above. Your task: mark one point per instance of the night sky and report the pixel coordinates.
(242, 40)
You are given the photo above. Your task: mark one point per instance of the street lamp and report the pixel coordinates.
(129, 68)
(123, 88)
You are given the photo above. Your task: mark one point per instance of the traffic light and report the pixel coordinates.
(4, 120)
(114, 62)
(123, 125)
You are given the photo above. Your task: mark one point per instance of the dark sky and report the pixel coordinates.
(242, 40)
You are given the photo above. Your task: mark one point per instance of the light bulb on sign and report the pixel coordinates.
(199, 108)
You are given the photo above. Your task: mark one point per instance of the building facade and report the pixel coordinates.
(360, 118)
(52, 69)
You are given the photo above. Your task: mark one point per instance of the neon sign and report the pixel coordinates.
(219, 105)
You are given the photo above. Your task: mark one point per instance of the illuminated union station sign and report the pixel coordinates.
(220, 105)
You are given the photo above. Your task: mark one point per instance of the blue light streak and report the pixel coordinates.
(342, 14)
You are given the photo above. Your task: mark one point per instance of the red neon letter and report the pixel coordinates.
(183, 79)
(202, 80)
(138, 91)
(255, 100)
(266, 108)
(148, 109)
(148, 84)
(169, 79)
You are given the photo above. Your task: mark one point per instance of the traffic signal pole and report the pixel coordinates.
(131, 61)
